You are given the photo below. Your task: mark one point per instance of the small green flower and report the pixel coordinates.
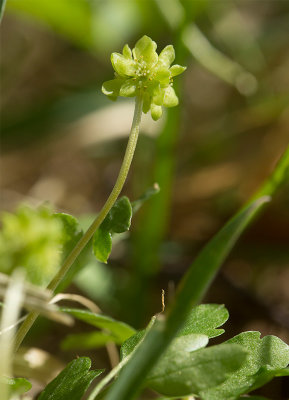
(143, 72)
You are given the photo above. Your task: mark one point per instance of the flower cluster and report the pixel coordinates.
(142, 71)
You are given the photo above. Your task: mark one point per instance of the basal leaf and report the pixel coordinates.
(102, 245)
(72, 382)
(182, 372)
(119, 329)
(266, 357)
(91, 340)
(204, 319)
(118, 220)
(17, 385)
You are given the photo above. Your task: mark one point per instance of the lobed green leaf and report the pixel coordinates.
(204, 319)
(118, 220)
(72, 382)
(148, 194)
(182, 371)
(267, 357)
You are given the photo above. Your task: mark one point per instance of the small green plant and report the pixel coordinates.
(171, 356)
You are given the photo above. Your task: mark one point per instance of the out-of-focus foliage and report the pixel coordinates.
(86, 23)
(31, 239)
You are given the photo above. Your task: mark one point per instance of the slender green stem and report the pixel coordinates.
(24, 328)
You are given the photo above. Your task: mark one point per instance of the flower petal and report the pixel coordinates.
(158, 97)
(111, 88)
(123, 66)
(170, 97)
(145, 49)
(156, 112)
(128, 88)
(177, 70)
(162, 75)
(167, 56)
(126, 51)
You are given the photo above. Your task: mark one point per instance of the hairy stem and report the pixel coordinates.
(24, 328)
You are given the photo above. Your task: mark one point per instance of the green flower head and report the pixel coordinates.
(142, 71)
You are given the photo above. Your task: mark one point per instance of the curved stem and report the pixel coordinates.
(24, 328)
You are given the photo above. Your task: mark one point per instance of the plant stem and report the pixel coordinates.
(133, 136)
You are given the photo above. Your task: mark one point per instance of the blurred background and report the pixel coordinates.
(62, 142)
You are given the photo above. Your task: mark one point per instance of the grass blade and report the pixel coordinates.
(190, 292)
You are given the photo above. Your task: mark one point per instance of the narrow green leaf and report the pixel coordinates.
(72, 382)
(190, 292)
(118, 219)
(128, 346)
(17, 385)
(102, 245)
(91, 340)
(119, 329)
(279, 176)
(182, 372)
(266, 357)
(149, 193)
